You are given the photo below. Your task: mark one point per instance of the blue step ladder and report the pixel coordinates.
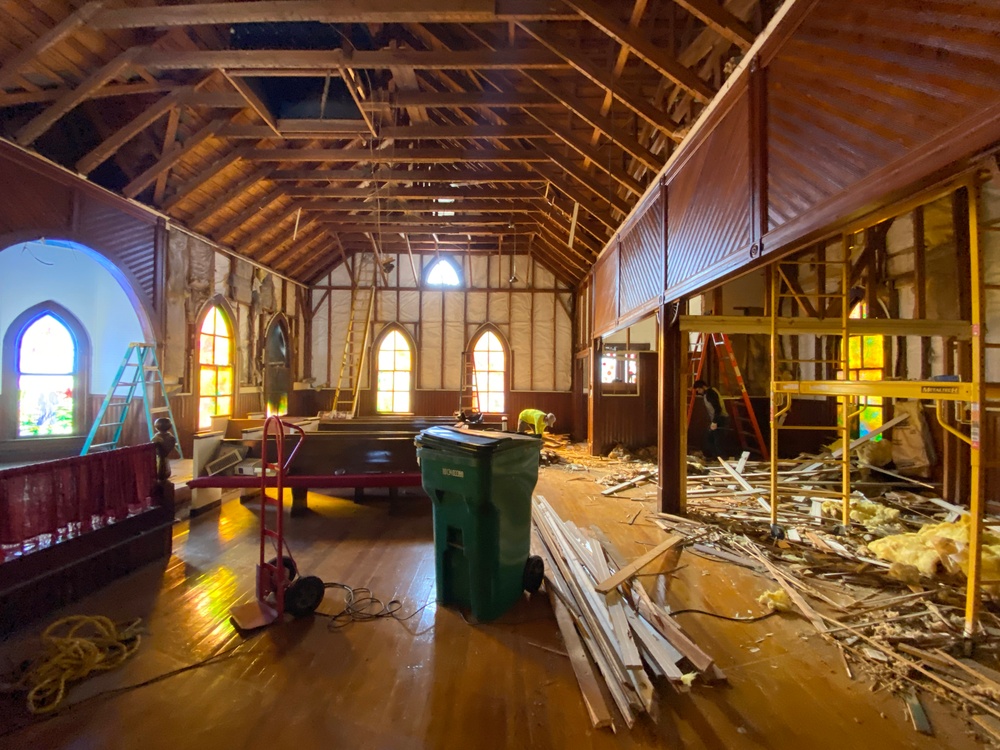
(138, 377)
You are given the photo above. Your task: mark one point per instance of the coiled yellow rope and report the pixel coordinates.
(75, 647)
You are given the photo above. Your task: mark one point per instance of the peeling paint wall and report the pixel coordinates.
(197, 273)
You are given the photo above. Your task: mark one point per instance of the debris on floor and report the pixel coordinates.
(888, 590)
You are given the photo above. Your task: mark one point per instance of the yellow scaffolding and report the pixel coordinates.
(975, 392)
(852, 392)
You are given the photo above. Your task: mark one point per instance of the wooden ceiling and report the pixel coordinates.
(298, 132)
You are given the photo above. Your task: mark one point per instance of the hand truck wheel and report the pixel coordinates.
(304, 596)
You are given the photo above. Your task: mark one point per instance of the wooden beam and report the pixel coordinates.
(342, 130)
(49, 39)
(217, 100)
(169, 141)
(720, 20)
(643, 48)
(253, 101)
(296, 62)
(472, 99)
(413, 193)
(671, 415)
(143, 180)
(633, 100)
(383, 206)
(443, 132)
(401, 156)
(258, 175)
(41, 123)
(443, 228)
(322, 11)
(123, 135)
(114, 89)
(433, 174)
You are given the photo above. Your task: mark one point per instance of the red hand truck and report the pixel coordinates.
(278, 589)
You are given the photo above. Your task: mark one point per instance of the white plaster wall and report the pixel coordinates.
(34, 272)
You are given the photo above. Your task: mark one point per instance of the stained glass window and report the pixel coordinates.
(215, 378)
(46, 365)
(442, 273)
(489, 365)
(866, 361)
(395, 372)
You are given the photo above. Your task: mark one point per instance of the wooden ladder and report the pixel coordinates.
(468, 398)
(730, 378)
(352, 364)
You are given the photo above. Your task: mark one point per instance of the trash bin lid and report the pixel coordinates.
(473, 441)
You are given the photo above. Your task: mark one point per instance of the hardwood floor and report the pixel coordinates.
(434, 680)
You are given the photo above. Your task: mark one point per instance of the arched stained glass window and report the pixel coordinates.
(215, 368)
(46, 378)
(489, 371)
(442, 272)
(866, 361)
(394, 374)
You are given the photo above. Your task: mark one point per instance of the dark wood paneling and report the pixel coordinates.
(51, 203)
(606, 291)
(37, 203)
(860, 88)
(125, 239)
(709, 205)
(642, 252)
(629, 420)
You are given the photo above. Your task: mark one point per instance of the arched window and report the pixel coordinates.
(46, 359)
(866, 361)
(215, 367)
(276, 369)
(442, 272)
(489, 373)
(46, 370)
(394, 379)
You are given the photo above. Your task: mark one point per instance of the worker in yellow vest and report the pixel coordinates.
(536, 420)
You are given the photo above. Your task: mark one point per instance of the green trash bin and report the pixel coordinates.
(480, 485)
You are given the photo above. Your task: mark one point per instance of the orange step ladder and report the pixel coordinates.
(740, 409)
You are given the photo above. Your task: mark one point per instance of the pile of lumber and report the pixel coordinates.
(610, 622)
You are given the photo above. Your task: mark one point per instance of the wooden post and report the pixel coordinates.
(671, 423)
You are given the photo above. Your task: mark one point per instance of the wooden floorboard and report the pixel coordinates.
(435, 680)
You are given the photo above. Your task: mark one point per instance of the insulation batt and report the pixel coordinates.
(868, 514)
(777, 600)
(941, 546)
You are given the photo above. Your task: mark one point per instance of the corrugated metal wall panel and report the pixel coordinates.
(606, 292)
(125, 239)
(708, 205)
(642, 251)
(858, 86)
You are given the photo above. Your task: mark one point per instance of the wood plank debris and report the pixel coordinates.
(628, 637)
(638, 564)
